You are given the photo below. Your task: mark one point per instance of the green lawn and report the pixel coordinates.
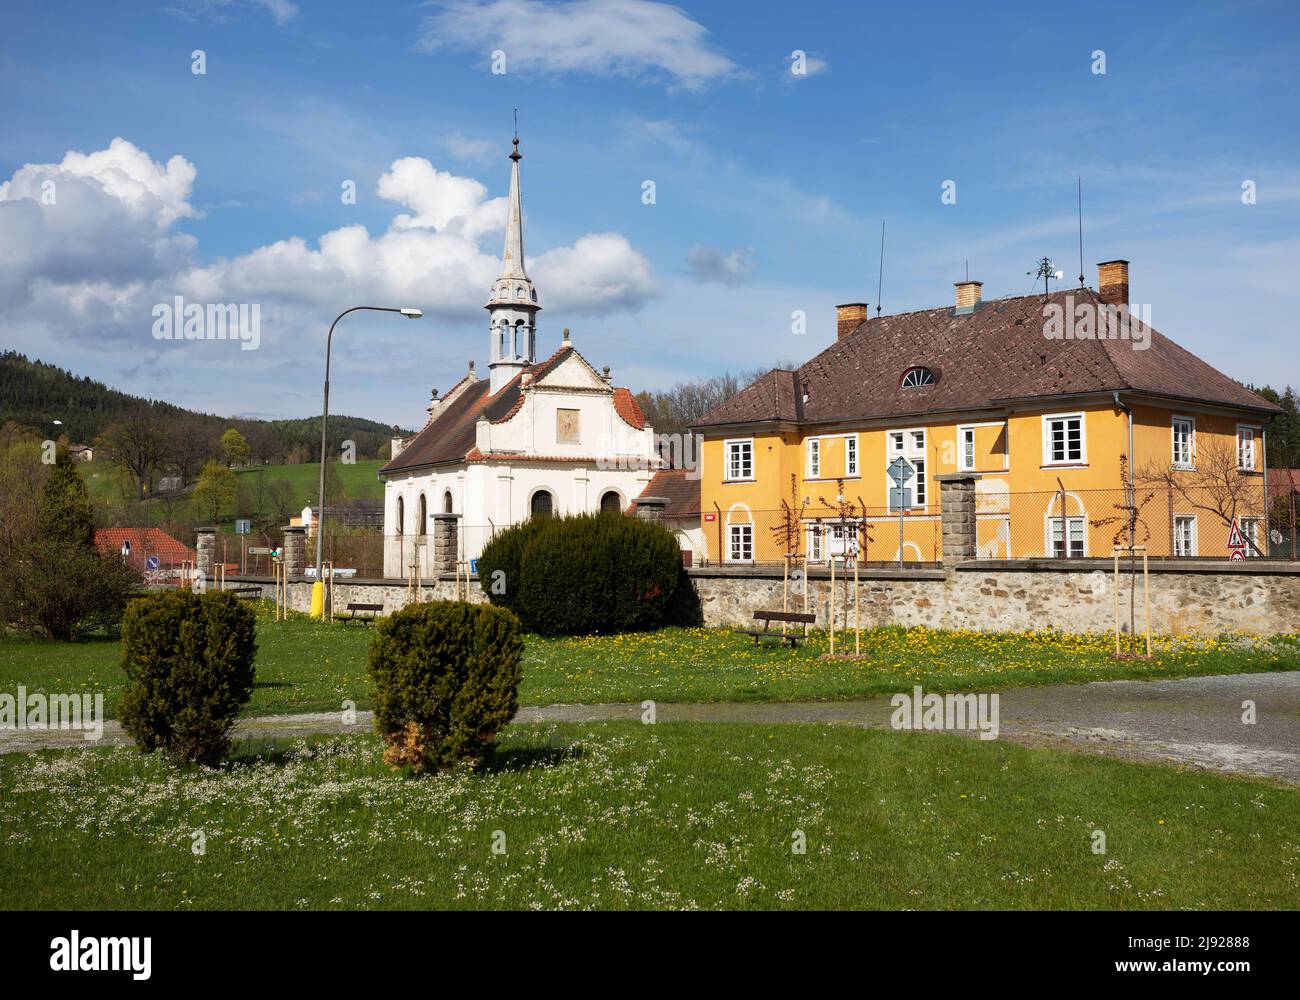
(303, 665)
(622, 815)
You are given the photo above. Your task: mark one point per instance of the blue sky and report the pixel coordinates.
(769, 187)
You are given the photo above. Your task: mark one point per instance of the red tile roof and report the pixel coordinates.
(980, 360)
(145, 542)
(626, 406)
(677, 487)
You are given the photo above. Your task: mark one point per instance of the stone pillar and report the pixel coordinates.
(651, 508)
(295, 550)
(957, 515)
(446, 541)
(206, 547)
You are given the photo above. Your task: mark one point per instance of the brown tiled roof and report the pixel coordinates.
(980, 360)
(675, 486)
(451, 437)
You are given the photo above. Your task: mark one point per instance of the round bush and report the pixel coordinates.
(189, 664)
(596, 573)
(446, 678)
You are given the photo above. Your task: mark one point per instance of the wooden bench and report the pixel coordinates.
(768, 617)
(362, 612)
(244, 591)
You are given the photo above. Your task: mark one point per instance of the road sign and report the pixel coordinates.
(243, 526)
(900, 471)
(254, 551)
(151, 563)
(1234, 537)
(900, 499)
(1238, 554)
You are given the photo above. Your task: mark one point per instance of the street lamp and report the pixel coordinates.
(318, 588)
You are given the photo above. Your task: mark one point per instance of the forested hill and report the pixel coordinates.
(35, 394)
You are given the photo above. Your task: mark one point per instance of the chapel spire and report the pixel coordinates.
(512, 304)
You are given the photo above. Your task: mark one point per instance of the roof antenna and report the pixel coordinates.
(880, 278)
(1080, 231)
(1046, 270)
(516, 124)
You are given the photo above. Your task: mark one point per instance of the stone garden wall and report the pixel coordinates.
(1072, 595)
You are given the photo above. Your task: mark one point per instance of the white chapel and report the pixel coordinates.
(531, 440)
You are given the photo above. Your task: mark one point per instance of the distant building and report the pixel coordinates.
(150, 550)
(82, 452)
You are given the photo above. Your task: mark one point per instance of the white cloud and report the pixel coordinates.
(466, 149)
(600, 37)
(92, 265)
(217, 10)
(708, 264)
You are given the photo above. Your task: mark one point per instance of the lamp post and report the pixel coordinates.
(318, 588)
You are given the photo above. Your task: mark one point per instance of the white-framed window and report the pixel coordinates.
(1184, 435)
(814, 458)
(909, 445)
(1060, 527)
(815, 534)
(851, 455)
(1250, 532)
(965, 449)
(1246, 448)
(740, 459)
(1185, 543)
(740, 543)
(1063, 439)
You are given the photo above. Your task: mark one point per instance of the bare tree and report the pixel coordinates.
(1218, 485)
(190, 441)
(137, 443)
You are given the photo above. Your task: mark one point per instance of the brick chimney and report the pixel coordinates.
(848, 317)
(968, 295)
(1112, 282)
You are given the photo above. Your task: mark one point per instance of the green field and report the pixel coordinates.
(358, 479)
(304, 665)
(624, 815)
(105, 483)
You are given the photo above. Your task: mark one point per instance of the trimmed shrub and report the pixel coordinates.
(189, 662)
(446, 677)
(499, 565)
(594, 573)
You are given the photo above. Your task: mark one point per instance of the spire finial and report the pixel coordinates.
(515, 155)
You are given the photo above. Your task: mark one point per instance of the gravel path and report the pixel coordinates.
(1195, 721)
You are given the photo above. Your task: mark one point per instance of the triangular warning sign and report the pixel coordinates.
(1234, 537)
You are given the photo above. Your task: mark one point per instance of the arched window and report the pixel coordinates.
(520, 333)
(424, 516)
(543, 504)
(501, 339)
(611, 503)
(446, 502)
(401, 515)
(915, 378)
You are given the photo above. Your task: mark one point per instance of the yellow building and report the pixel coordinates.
(1040, 400)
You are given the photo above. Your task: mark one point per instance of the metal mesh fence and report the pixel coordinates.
(1170, 523)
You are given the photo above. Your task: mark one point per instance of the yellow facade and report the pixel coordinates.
(1025, 459)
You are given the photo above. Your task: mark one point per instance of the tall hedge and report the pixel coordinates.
(499, 564)
(446, 676)
(189, 663)
(588, 573)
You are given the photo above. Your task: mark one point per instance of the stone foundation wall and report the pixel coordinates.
(1074, 595)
